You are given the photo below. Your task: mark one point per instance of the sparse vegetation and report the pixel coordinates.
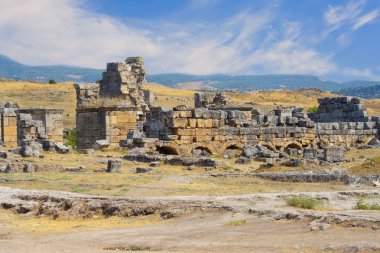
(313, 109)
(71, 139)
(52, 82)
(305, 203)
(80, 189)
(237, 223)
(362, 205)
(132, 247)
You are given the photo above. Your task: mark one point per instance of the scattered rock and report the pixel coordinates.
(87, 151)
(61, 149)
(114, 166)
(28, 168)
(155, 164)
(143, 170)
(30, 148)
(100, 144)
(48, 145)
(3, 154)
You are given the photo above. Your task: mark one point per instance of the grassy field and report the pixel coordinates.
(165, 180)
(62, 96)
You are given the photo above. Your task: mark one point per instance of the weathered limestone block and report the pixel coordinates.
(208, 99)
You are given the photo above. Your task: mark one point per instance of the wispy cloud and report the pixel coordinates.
(360, 73)
(336, 16)
(365, 19)
(350, 14)
(63, 32)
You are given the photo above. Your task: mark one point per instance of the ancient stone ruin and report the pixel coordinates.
(32, 124)
(214, 126)
(210, 99)
(107, 111)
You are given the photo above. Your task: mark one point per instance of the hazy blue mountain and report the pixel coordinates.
(370, 91)
(14, 70)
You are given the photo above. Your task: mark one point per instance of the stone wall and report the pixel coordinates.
(340, 109)
(125, 81)
(343, 121)
(86, 93)
(183, 130)
(107, 124)
(8, 125)
(209, 99)
(39, 124)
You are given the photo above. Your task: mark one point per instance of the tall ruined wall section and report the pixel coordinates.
(125, 81)
(107, 111)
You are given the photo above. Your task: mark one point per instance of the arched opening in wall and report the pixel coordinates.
(201, 151)
(167, 150)
(232, 151)
(293, 149)
(269, 147)
(373, 142)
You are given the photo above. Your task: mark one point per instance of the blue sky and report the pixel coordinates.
(333, 39)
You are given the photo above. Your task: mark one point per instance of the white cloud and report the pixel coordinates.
(348, 14)
(365, 19)
(338, 15)
(62, 32)
(360, 73)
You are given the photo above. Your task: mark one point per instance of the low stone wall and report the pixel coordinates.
(350, 134)
(40, 124)
(216, 131)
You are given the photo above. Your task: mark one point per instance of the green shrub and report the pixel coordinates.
(306, 203)
(313, 109)
(52, 82)
(71, 139)
(361, 205)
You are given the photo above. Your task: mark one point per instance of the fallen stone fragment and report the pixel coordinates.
(114, 166)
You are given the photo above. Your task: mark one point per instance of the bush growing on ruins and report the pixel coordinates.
(361, 205)
(313, 109)
(71, 139)
(306, 203)
(51, 81)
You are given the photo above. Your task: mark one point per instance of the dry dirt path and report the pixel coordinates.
(239, 223)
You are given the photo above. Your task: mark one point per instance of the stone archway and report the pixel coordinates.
(167, 150)
(289, 147)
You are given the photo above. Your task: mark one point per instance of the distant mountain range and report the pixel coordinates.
(60, 73)
(372, 91)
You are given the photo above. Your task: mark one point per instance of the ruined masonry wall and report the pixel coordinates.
(218, 130)
(110, 124)
(40, 124)
(8, 125)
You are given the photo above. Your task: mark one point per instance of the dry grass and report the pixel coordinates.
(165, 180)
(62, 96)
(42, 95)
(46, 225)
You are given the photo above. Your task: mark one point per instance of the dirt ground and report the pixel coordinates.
(198, 232)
